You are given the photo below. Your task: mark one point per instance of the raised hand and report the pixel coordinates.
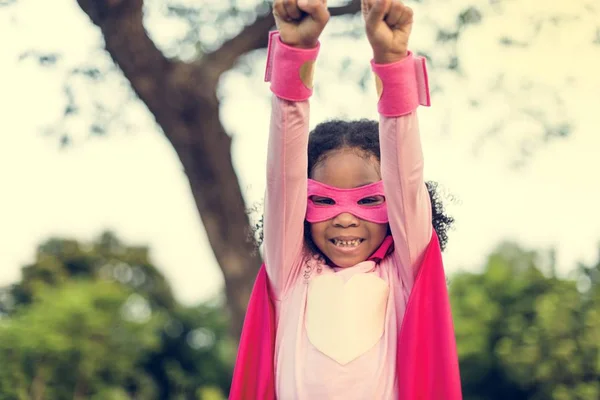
(388, 25)
(300, 22)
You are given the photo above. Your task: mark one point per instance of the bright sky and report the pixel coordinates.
(131, 182)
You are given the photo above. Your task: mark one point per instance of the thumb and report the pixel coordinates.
(317, 9)
(377, 12)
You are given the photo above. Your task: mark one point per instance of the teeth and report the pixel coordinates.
(346, 243)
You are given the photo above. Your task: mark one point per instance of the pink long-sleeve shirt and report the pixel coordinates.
(336, 329)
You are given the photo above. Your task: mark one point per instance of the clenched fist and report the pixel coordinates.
(300, 22)
(388, 25)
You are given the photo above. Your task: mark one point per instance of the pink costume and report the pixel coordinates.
(338, 332)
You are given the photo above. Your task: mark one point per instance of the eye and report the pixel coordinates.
(322, 201)
(371, 201)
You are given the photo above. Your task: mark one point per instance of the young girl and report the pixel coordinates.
(353, 304)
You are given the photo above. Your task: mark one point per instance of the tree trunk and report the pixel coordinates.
(182, 97)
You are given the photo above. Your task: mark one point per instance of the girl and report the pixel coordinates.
(353, 304)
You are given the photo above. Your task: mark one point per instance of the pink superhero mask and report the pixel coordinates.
(365, 202)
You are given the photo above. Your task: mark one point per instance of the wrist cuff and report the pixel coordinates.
(289, 69)
(401, 86)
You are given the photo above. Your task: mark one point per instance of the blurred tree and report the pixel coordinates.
(82, 324)
(178, 84)
(523, 333)
(60, 260)
(196, 354)
(183, 98)
(80, 340)
(99, 321)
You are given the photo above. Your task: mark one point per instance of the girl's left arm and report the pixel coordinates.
(402, 85)
(408, 202)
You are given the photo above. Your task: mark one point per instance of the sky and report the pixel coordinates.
(131, 181)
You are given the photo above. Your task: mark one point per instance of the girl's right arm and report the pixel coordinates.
(285, 200)
(290, 62)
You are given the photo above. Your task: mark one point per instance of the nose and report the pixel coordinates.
(345, 220)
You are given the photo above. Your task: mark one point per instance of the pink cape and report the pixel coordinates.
(427, 362)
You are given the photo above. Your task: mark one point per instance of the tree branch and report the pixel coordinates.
(130, 47)
(183, 99)
(255, 36)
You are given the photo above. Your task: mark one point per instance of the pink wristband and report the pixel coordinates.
(402, 86)
(290, 69)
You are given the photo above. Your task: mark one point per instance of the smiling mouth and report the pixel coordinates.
(347, 243)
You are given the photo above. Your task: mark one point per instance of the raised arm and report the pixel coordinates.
(285, 201)
(408, 202)
(290, 62)
(402, 86)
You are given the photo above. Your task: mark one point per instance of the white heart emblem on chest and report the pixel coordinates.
(346, 319)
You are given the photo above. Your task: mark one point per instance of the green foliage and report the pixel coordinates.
(196, 353)
(82, 338)
(523, 334)
(59, 260)
(99, 321)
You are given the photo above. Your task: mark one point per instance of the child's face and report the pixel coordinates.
(336, 237)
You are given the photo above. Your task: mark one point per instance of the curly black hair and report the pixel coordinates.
(362, 135)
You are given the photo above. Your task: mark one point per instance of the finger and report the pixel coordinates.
(396, 14)
(377, 12)
(317, 9)
(407, 16)
(291, 7)
(279, 10)
(404, 21)
(365, 7)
